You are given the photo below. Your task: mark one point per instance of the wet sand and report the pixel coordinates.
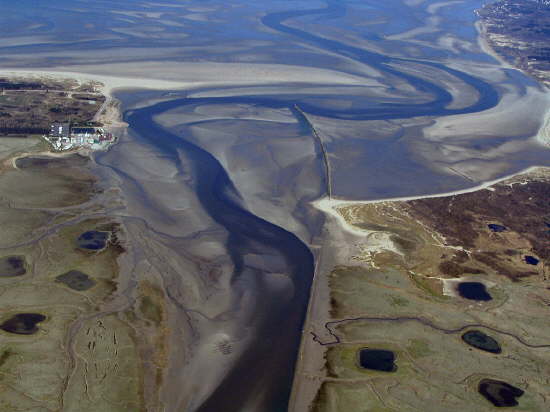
(194, 292)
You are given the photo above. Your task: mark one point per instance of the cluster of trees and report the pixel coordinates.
(7, 85)
(64, 110)
(23, 130)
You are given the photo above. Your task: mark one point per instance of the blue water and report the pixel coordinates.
(496, 228)
(81, 27)
(217, 195)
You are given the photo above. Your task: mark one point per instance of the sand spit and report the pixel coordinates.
(109, 83)
(543, 136)
(331, 206)
(486, 48)
(191, 75)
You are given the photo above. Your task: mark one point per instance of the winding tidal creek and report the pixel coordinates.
(271, 326)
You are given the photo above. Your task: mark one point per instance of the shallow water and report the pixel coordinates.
(223, 199)
(247, 234)
(482, 341)
(385, 137)
(11, 266)
(23, 323)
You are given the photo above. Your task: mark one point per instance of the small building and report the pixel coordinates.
(64, 137)
(84, 131)
(60, 130)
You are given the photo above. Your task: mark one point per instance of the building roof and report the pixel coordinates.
(60, 129)
(84, 130)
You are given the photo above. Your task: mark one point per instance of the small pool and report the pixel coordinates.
(23, 323)
(480, 340)
(496, 228)
(473, 291)
(93, 240)
(531, 260)
(11, 266)
(499, 393)
(76, 280)
(377, 359)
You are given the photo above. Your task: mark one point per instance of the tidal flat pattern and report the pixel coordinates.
(355, 99)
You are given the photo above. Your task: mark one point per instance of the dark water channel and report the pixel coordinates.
(496, 228)
(272, 358)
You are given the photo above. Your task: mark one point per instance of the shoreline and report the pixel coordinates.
(486, 48)
(112, 118)
(543, 134)
(329, 205)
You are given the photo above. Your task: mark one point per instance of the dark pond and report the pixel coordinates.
(76, 280)
(377, 359)
(531, 260)
(12, 266)
(499, 393)
(480, 340)
(473, 291)
(92, 240)
(22, 323)
(496, 228)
